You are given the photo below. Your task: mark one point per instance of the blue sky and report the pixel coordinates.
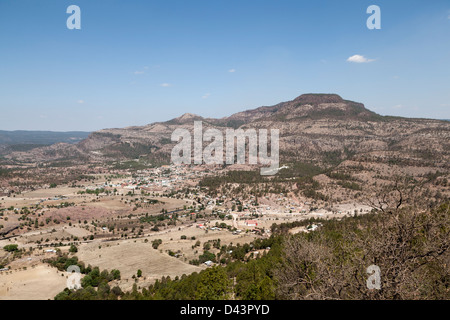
(137, 62)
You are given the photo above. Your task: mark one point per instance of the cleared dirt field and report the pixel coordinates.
(39, 283)
(32, 197)
(52, 192)
(61, 232)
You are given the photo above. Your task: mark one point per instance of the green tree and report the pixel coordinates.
(11, 247)
(213, 285)
(63, 295)
(117, 291)
(115, 274)
(207, 256)
(86, 281)
(253, 283)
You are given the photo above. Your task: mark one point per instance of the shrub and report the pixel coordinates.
(11, 247)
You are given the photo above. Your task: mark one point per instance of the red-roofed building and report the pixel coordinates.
(251, 223)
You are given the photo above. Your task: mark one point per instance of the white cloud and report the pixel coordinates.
(399, 106)
(359, 59)
(166, 85)
(139, 72)
(206, 95)
(232, 70)
(80, 101)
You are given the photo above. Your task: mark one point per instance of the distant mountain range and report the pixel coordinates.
(322, 128)
(23, 141)
(40, 137)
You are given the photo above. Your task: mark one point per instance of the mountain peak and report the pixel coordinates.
(318, 98)
(187, 117)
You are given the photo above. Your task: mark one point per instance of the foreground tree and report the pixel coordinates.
(213, 285)
(410, 247)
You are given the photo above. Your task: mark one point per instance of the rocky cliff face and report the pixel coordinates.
(323, 128)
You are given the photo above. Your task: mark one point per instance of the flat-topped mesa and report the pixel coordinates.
(312, 106)
(318, 98)
(325, 106)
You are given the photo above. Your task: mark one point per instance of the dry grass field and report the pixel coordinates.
(40, 283)
(132, 254)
